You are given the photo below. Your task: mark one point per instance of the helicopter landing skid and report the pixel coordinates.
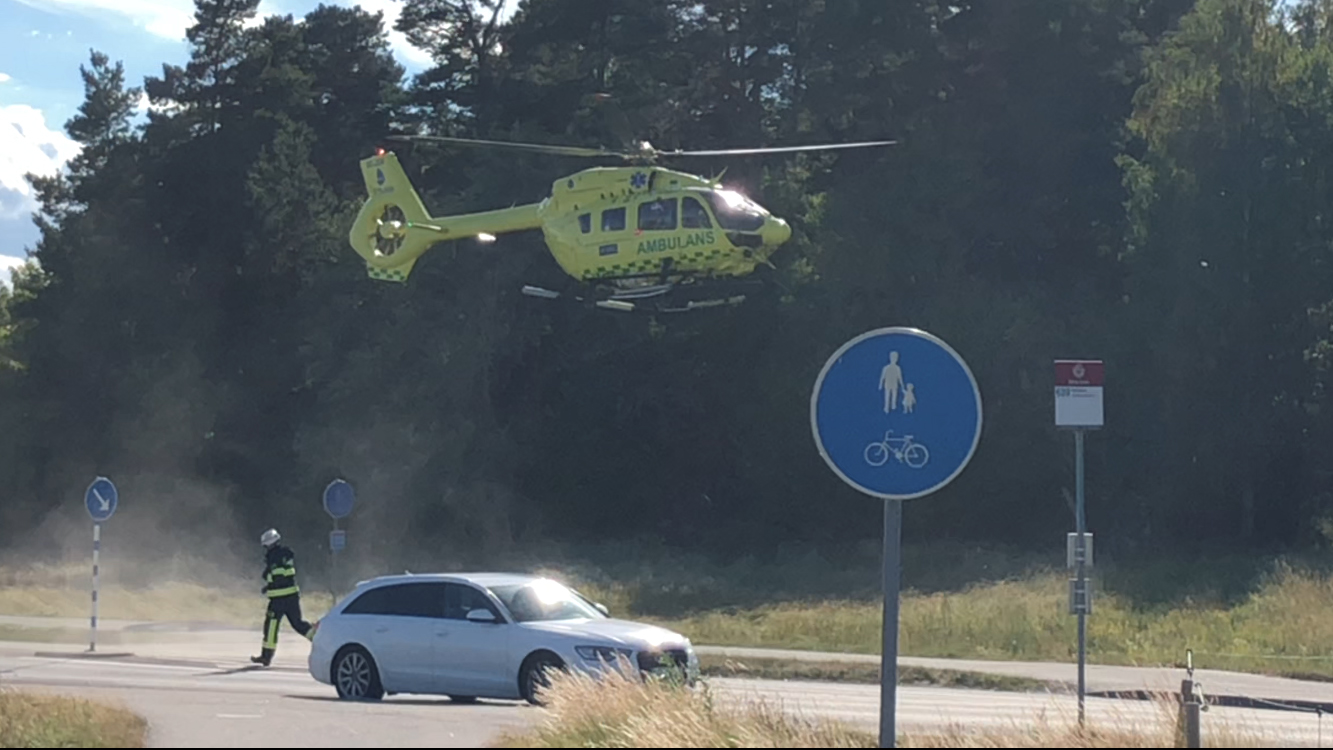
(652, 299)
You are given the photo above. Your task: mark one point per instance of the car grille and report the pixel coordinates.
(654, 660)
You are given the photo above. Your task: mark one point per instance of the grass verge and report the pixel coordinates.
(852, 672)
(1283, 627)
(29, 720)
(620, 712)
(1275, 620)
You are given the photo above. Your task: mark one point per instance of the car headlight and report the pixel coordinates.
(604, 653)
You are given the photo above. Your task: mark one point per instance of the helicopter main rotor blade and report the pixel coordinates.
(775, 150)
(540, 147)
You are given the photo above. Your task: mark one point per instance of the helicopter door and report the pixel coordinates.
(613, 232)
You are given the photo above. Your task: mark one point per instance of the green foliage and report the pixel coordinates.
(1143, 180)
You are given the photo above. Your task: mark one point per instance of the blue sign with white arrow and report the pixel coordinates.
(896, 413)
(101, 499)
(339, 498)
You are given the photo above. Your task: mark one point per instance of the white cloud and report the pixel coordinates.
(5, 78)
(27, 145)
(391, 10)
(170, 18)
(164, 18)
(7, 265)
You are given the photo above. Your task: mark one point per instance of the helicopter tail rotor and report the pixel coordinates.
(393, 228)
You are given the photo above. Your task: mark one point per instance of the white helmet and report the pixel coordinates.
(270, 538)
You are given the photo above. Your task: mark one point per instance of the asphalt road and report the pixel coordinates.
(198, 703)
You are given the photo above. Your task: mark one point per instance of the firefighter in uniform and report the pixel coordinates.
(284, 596)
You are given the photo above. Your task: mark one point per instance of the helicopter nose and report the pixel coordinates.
(776, 231)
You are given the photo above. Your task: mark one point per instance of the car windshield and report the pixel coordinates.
(544, 600)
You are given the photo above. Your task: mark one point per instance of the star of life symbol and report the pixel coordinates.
(1080, 370)
(638, 180)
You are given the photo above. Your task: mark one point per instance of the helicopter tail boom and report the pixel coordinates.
(393, 228)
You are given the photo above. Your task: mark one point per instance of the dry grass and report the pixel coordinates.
(620, 712)
(1281, 623)
(1285, 626)
(28, 720)
(63, 591)
(857, 672)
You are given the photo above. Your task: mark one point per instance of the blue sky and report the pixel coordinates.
(42, 45)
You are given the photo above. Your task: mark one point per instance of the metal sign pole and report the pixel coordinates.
(97, 547)
(1081, 574)
(888, 669)
(339, 498)
(1079, 385)
(101, 499)
(333, 564)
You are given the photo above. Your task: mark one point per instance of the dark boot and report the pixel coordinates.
(265, 657)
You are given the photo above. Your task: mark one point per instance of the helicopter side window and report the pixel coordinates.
(613, 220)
(735, 212)
(658, 215)
(585, 223)
(693, 215)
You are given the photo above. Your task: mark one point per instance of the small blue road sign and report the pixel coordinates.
(896, 413)
(101, 499)
(337, 540)
(339, 498)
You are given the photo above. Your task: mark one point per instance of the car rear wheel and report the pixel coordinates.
(532, 676)
(355, 675)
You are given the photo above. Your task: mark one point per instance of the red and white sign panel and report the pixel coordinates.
(1079, 372)
(1078, 393)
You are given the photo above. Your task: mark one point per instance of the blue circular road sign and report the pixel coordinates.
(101, 499)
(339, 498)
(896, 413)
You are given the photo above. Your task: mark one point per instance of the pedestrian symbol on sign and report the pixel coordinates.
(890, 380)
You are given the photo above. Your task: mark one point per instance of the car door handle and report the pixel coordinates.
(382, 629)
(441, 634)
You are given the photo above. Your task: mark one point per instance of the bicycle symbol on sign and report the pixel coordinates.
(904, 449)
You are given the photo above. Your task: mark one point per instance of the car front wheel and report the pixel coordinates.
(355, 675)
(532, 676)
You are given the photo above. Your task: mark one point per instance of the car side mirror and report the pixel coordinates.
(480, 615)
(602, 608)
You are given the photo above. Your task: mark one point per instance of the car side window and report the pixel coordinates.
(401, 600)
(459, 599)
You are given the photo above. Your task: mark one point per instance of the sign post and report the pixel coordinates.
(896, 414)
(1078, 407)
(101, 500)
(339, 497)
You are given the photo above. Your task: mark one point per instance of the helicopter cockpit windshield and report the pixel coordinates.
(735, 212)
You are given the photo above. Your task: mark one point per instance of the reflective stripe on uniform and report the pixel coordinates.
(275, 593)
(271, 634)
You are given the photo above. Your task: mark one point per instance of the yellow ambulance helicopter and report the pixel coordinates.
(634, 238)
